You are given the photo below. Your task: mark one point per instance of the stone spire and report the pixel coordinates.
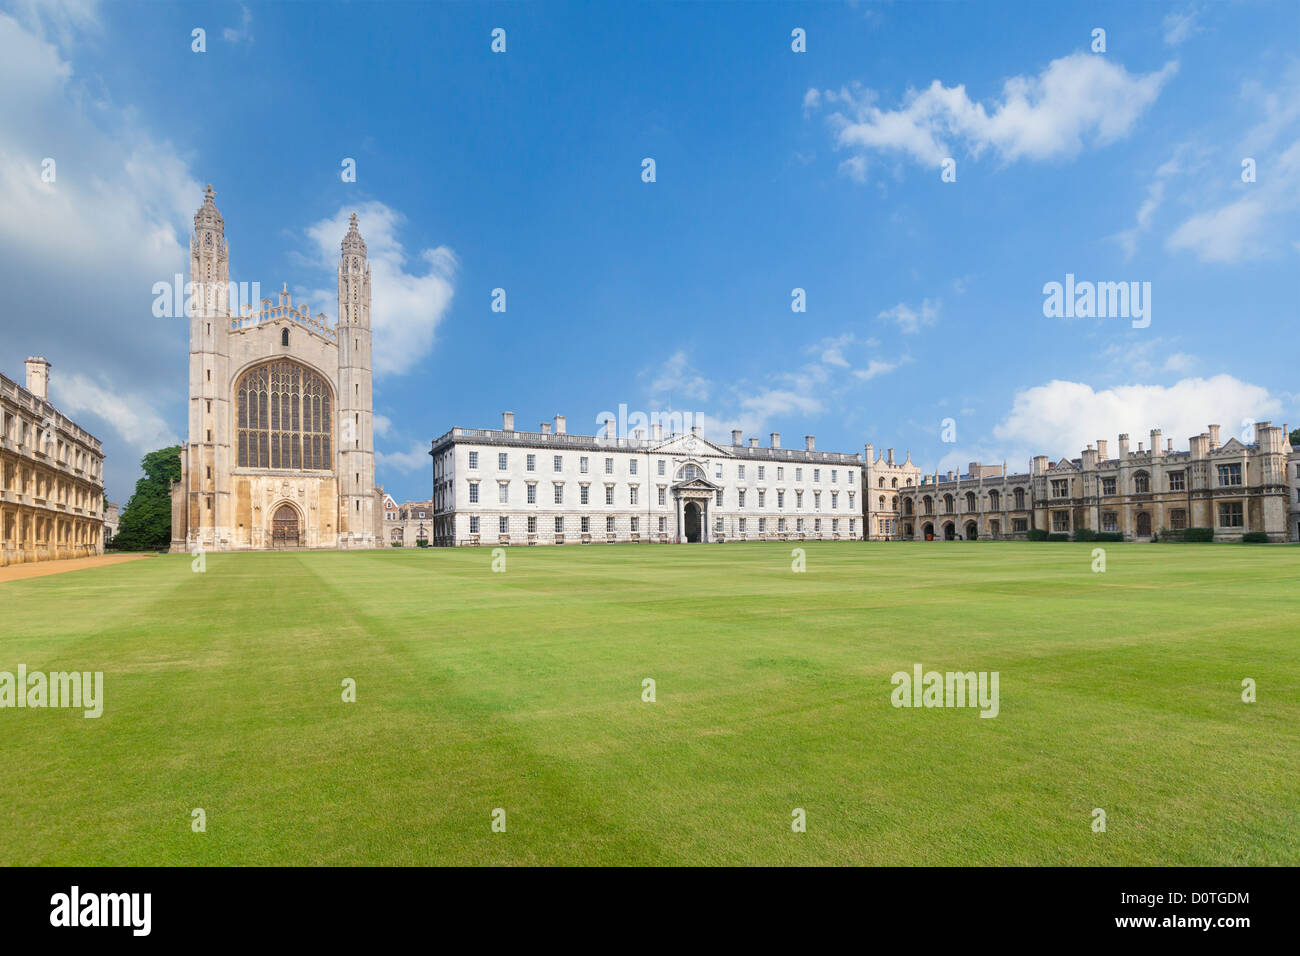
(208, 216)
(352, 242)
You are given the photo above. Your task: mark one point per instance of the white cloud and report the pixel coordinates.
(1180, 25)
(855, 168)
(1077, 100)
(1242, 221)
(82, 252)
(130, 414)
(676, 378)
(382, 424)
(1060, 418)
(406, 306)
(1226, 234)
(243, 33)
(911, 319)
(414, 458)
(875, 367)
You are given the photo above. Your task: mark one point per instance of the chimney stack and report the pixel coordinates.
(38, 377)
(695, 430)
(810, 442)
(1123, 446)
(1214, 437)
(657, 431)
(1101, 449)
(891, 456)
(546, 428)
(507, 421)
(559, 425)
(609, 429)
(870, 454)
(753, 443)
(735, 436)
(776, 439)
(1155, 443)
(1169, 446)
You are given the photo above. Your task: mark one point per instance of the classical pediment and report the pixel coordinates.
(702, 485)
(1231, 445)
(1064, 465)
(689, 446)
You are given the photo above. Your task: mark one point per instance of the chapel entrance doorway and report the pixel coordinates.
(284, 527)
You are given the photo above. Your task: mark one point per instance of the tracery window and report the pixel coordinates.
(284, 418)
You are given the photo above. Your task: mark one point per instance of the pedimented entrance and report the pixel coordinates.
(693, 497)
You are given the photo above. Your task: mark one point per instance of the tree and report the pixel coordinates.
(1295, 438)
(146, 523)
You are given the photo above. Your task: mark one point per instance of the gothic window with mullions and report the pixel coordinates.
(284, 418)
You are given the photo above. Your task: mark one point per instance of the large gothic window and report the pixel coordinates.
(284, 418)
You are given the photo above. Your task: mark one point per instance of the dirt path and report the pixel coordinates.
(15, 572)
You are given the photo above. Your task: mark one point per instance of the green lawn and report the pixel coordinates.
(522, 690)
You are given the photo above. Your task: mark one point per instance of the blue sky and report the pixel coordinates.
(775, 170)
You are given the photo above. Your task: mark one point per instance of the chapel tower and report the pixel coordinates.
(207, 453)
(357, 514)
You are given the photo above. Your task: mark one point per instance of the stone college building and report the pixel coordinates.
(51, 476)
(1233, 487)
(280, 450)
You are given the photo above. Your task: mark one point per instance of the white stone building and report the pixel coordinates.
(505, 486)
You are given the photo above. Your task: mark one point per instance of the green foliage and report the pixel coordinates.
(1108, 536)
(146, 523)
(1198, 535)
(1084, 534)
(1037, 534)
(1295, 438)
(1255, 537)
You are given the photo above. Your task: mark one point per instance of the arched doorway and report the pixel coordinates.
(692, 512)
(284, 527)
(927, 529)
(972, 532)
(1144, 524)
(949, 531)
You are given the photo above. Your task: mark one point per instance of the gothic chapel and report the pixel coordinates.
(281, 443)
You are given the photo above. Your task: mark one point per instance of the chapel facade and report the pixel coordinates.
(280, 451)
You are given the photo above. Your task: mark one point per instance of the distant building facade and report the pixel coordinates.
(112, 521)
(406, 525)
(1233, 487)
(51, 476)
(503, 486)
